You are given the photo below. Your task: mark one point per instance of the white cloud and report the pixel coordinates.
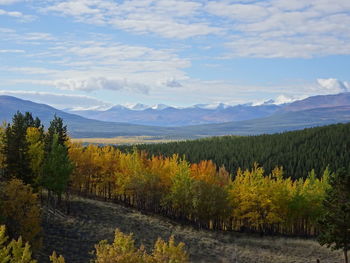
(168, 19)
(99, 83)
(10, 2)
(97, 65)
(59, 101)
(285, 28)
(11, 51)
(22, 17)
(332, 85)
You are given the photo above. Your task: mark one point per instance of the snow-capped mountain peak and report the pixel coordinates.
(159, 107)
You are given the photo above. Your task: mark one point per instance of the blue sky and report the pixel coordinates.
(95, 53)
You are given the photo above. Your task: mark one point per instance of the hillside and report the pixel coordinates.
(297, 151)
(74, 236)
(77, 125)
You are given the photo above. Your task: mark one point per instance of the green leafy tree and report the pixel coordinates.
(335, 224)
(57, 168)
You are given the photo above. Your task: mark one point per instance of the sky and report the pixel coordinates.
(98, 53)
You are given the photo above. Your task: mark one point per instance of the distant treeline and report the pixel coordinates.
(297, 151)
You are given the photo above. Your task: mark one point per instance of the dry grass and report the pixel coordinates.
(124, 140)
(75, 235)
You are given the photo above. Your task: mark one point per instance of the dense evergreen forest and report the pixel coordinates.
(298, 152)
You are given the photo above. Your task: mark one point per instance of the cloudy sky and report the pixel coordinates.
(94, 53)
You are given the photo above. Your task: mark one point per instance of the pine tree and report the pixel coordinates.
(56, 127)
(335, 224)
(2, 148)
(16, 148)
(57, 168)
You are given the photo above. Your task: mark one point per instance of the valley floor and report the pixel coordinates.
(90, 221)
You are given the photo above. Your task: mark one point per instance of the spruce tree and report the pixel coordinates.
(57, 168)
(56, 127)
(335, 224)
(17, 164)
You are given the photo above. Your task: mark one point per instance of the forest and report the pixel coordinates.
(298, 152)
(45, 166)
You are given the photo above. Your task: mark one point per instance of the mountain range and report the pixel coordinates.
(248, 119)
(168, 116)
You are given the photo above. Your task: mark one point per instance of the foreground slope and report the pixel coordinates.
(90, 221)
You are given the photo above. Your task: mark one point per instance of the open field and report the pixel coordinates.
(123, 140)
(74, 237)
(128, 140)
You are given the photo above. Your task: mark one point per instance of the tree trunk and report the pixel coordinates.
(346, 255)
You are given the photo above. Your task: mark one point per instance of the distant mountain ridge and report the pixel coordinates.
(311, 112)
(168, 116)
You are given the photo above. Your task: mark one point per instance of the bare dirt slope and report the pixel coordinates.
(74, 237)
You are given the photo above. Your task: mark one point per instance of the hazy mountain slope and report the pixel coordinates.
(321, 101)
(280, 122)
(166, 116)
(77, 125)
(170, 116)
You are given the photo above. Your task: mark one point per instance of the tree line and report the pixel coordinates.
(201, 193)
(297, 151)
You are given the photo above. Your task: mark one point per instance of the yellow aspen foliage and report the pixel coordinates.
(122, 250)
(21, 211)
(56, 259)
(180, 195)
(36, 150)
(164, 252)
(15, 251)
(200, 193)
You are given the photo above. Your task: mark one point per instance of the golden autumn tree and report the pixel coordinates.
(36, 151)
(21, 212)
(169, 252)
(181, 192)
(211, 200)
(15, 251)
(122, 250)
(54, 258)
